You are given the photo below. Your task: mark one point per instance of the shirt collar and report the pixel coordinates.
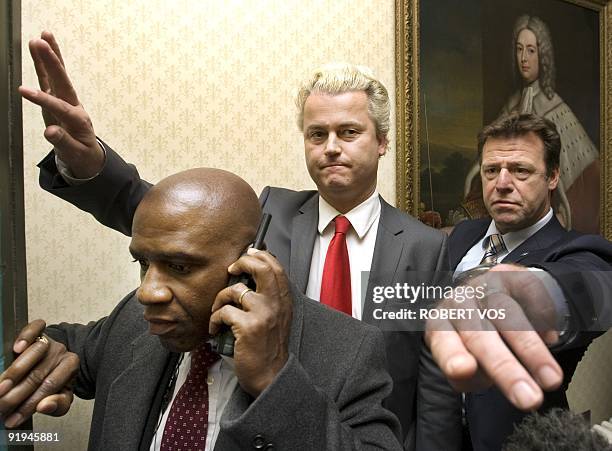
(361, 217)
(535, 87)
(512, 240)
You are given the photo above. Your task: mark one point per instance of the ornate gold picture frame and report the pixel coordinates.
(579, 29)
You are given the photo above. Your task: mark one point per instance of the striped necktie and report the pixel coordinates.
(493, 245)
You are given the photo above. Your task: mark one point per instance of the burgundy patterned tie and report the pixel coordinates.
(336, 280)
(187, 422)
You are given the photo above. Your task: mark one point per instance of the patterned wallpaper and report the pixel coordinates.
(172, 85)
(177, 84)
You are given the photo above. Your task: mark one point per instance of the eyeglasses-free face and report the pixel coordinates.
(515, 187)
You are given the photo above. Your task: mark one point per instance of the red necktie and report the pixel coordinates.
(336, 281)
(187, 422)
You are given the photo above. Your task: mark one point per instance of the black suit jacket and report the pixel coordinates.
(581, 265)
(309, 405)
(403, 246)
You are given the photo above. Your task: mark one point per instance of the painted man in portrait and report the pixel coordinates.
(576, 200)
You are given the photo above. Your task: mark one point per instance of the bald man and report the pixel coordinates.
(143, 361)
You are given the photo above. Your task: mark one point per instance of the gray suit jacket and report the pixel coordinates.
(327, 397)
(406, 251)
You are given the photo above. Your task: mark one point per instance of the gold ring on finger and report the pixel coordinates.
(245, 291)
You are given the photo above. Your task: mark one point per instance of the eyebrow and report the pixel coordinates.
(169, 256)
(512, 164)
(342, 124)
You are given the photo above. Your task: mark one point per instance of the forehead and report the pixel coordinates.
(328, 109)
(167, 229)
(517, 148)
(527, 37)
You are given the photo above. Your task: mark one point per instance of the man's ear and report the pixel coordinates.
(383, 143)
(553, 179)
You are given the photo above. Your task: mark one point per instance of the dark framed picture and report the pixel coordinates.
(458, 68)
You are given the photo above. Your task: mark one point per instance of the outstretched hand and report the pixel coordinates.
(509, 350)
(68, 126)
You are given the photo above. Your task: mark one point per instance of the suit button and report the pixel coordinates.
(259, 442)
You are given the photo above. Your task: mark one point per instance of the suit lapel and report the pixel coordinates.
(385, 261)
(138, 386)
(303, 234)
(542, 239)
(460, 243)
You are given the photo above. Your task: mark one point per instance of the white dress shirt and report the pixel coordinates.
(221, 384)
(512, 240)
(360, 241)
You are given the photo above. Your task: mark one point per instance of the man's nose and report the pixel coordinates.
(332, 145)
(152, 288)
(504, 180)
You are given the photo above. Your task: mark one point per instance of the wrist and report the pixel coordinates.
(76, 170)
(257, 385)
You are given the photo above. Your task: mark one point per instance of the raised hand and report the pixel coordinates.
(68, 126)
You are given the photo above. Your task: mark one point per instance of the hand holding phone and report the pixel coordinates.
(263, 323)
(223, 343)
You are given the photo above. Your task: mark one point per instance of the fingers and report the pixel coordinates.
(231, 295)
(266, 271)
(58, 107)
(226, 315)
(451, 355)
(75, 141)
(73, 117)
(56, 405)
(28, 334)
(52, 71)
(50, 38)
(276, 268)
(20, 368)
(535, 356)
(39, 67)
(62, 141)
(498, 362)
(37, 388)
(526, 343)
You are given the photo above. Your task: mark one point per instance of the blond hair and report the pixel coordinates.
(338, 78)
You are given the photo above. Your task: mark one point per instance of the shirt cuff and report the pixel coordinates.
(67, 174)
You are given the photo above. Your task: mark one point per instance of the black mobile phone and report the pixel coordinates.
(223, 342)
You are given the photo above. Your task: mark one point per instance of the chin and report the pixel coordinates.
(336, 181)
(508, 225)
(174, 345)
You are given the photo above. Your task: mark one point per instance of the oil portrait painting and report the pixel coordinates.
(479, 60)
